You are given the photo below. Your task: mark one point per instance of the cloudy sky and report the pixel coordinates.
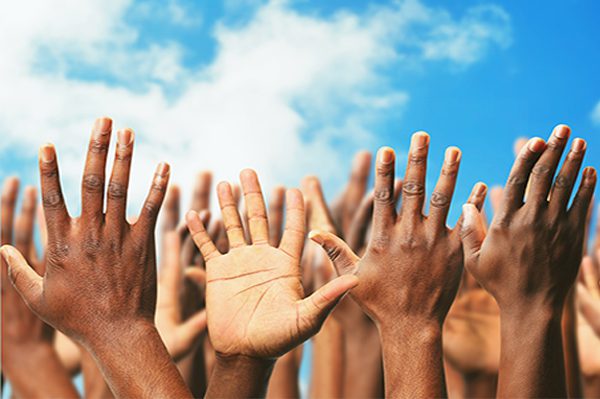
(293, 87)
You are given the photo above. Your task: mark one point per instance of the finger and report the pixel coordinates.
(542, 173)
(200, 236)
(92, 184)
(201, 198)
(319, 217)
(472, 234)
(476, 198)
(25, 221)
(318, 305)
(190, 255)
(384, 212)
(519, 144)
(444, 189)
(55, 211)
(255, 206)
(292, 240)
(413, 189)
(342, 257)
(518, 178)
(154, 200)
(590, 277)
(171, 270)
(276, 215)
(231, 216)
(28, 283)
(582, 199)
(357, 233)
(589, 307)
(10, 190)
(116, 205)
(171, 211)
(191, 329)
(496, 195)
(357, 186)
(565, 181)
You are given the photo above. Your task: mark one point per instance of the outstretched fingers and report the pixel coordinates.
(154, 200)
(255, 205)
(92, 184)
(200, 236)
(565, 181)
(116, 203)
(444, 189)
(10, 190)
(413, 188)
(581, 202)
(292, 241)
(276, 202)
(384, 212)
(231, 215)
(55, 210)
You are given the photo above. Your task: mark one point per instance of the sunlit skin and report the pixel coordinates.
(588, 323)
(410, 271)
(255, 301)
(27, 342)
(528, 261)
(99, 286)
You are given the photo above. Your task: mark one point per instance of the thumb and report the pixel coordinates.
(342, 257)
(28, 283)
(472, 231)
(318, 305)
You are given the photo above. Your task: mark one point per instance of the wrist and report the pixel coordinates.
(239, 376)
(419, 330)
(26, 356)
(119, 334)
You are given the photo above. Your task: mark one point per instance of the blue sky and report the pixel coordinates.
(295, 87)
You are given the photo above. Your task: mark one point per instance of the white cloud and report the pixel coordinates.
(596, 114)
(272, 78)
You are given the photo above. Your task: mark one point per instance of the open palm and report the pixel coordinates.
(255, 300)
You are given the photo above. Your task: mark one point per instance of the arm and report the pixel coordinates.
(328, 360)
(410, 271)
(588, 327)
(27, 351)
(94, 385)
(529, 259)
(258, 310)
(109, 265)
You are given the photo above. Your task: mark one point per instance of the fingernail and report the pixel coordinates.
(536, 144)
(6, 253)
(163, 169)
(193, 221)
(314, 235)
(47, 153)
(468, 213)
(102, 124)
(452, 155)
(124, 136)
(578, 145)
(480, 189)
(562, 131)
(419, 140)
(589, 173)
(386, 155)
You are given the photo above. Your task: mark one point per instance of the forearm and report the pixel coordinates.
(239, 377)
(531, 356)
(569, 334)
(328, 360)
(37, 372)
(135, 363)
(284, 379)
(94, 385)
(363, 373)
(412, 359)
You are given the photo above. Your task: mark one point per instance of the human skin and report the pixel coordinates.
(28, 353)
(528, 261)
(99, 287)
(255, 301)
(410, 271)
(588, 324)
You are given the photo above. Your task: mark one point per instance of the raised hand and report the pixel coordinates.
(588, 326)
(410, 271)
(27, 342)
(529, 260)
(255, 301)
(99, 286)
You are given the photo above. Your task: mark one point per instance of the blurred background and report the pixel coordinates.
(294, 87)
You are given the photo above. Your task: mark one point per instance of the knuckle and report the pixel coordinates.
(57, 253)
(413, 189)
(541, 170)
(116, 190)
(517, 179)
(417, 158)
(150, 208)
(562, 182)
(98, 146)
(52, 199)
(384, 196)
(93, 183)
(333, 252)
(385, 170)
(440, 200)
